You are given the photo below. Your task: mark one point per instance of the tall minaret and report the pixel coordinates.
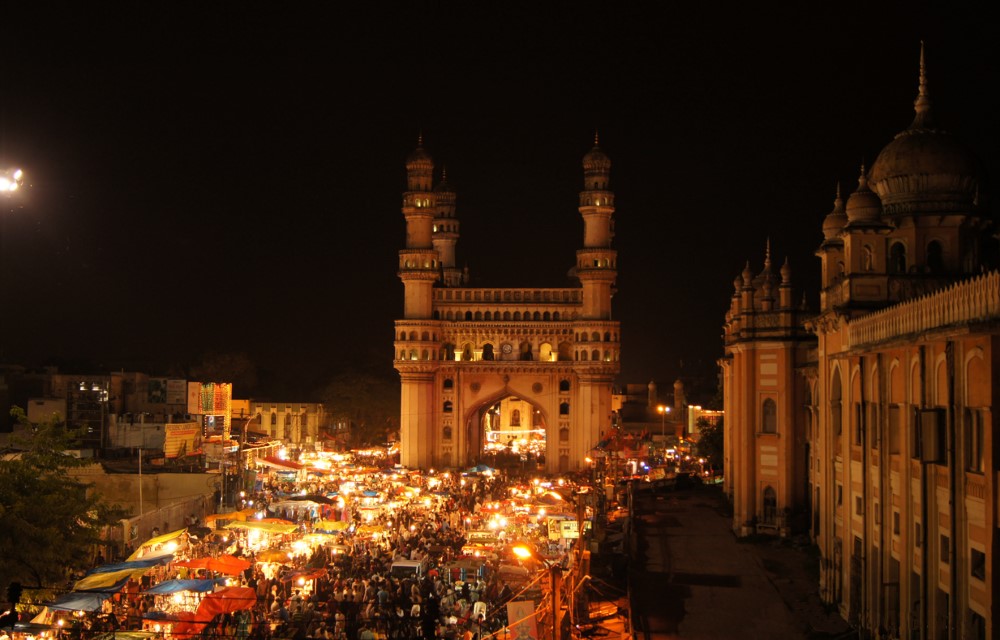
(446, 231)
(596, 358)
(418, 262)
(596, 263)
(418, 269)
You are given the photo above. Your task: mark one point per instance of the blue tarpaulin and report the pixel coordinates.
(176, 586)
(144, 563)
(79, 601)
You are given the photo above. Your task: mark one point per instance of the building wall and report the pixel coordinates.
(900, 456)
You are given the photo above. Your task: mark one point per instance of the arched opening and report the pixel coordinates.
(501, 435)
(897, 258)
(545, 352)
(769, 416)
(564, 385)
(935, 257)
(488, 351)
(769, 506)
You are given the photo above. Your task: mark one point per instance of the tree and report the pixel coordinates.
(236, 368)
(368, 403)
(710, 443)
(51, 520)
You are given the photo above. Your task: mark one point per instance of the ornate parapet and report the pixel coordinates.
(969, 301)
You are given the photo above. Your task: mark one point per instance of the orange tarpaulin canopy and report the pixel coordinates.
(227, 564)
(226, 601)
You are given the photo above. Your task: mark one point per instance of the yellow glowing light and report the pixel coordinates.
(302, 581)
(177, 598)
(170, 547)
(522, 552)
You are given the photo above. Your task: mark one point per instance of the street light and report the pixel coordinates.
(525, 552)
(663, 410)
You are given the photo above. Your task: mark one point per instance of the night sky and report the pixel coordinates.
(227, 176)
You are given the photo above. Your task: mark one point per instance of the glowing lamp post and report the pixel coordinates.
(663, 410)
(525, 552)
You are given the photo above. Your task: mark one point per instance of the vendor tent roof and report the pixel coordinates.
(230, 565)
(79, 601)
(176, 586)
(157, 546)
(270, 527)
(278, 463)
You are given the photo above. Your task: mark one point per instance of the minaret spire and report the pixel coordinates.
(922, 105)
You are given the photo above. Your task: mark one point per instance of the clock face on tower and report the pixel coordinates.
(506, 348)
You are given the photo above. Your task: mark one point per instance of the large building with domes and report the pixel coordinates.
(465, 355)
(872, 418)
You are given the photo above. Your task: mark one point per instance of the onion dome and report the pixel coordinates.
(786, 273)
(863, 205)
(444, 186)
(834, 221)
(419, 158)
(596, 159)
(747, 275)
(924, 168)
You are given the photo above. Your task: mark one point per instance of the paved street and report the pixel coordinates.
(691, 578)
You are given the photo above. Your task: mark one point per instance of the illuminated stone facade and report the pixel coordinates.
(460, 350)
(892, 420)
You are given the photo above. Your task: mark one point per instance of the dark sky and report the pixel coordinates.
(227, 176)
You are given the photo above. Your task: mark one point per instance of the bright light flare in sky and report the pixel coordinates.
(11, 180)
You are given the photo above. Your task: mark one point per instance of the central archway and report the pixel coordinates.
(507, 432)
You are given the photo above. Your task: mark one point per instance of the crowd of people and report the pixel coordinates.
(413, 579)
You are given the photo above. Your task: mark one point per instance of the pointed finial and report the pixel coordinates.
(922, 105)
(786, 273)
(420, 138)
(444, 173)
(838, 191)
(767, 251)
(597, 137)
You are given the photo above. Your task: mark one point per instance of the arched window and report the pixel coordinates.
(583, 356)
(769, 416)
(770, 504)
(274, 419)
(595, 337)
(479, 315)
(447, 406)
(288, 419)
(536, 316)
(467, 353)
(506, 315)
(555, 316)
(425, 336)
(402, 335)
(564, 385)
(595, 355)
(487, 351)
(546, 316)
(607, 336)
(564, 409)
(935, 257)
(413, 335)
(449, 383)
(446, 433)
(517, 316)
(468, 315)
(897, 258)
(515, 418)
(836, 424)
(488, 316)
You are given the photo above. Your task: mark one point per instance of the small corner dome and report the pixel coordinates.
(863, 205)
(834, 221)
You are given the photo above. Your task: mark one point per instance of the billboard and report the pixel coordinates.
(156, 391)
(182, 438)
(216, 399)
(176, 392)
